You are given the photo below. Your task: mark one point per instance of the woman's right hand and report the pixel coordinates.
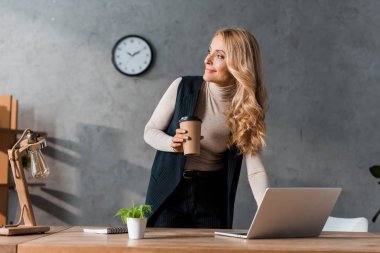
(178, 139)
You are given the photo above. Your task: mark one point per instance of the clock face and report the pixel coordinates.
(132, 55)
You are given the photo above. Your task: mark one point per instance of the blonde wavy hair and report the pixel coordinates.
(246, 115)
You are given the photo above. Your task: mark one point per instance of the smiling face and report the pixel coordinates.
(216, 69)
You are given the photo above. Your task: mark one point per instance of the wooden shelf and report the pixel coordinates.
(8, 133)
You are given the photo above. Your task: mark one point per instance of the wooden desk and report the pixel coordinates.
(8, 244)
(196, 240)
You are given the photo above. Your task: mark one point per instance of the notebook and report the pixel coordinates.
(106, 230)
(290, 213)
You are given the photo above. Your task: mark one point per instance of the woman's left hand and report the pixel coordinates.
(178, 139)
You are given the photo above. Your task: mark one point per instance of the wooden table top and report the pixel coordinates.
(8, 244)
(196, 240)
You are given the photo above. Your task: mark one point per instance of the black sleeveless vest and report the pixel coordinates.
(168, 166)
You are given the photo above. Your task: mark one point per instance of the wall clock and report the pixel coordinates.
(132, 55)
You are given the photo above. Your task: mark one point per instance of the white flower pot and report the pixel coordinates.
(136, 228)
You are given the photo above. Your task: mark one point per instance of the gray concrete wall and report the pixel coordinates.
(321, 61)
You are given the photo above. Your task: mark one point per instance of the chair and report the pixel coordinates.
(346, 224)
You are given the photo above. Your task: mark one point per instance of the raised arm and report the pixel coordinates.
(257, 177)
(154, 133)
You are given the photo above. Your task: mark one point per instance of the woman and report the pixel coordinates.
(231, 101)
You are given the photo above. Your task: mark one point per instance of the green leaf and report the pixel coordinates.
(134, 212)
(146, 208)
(121, 212)
(375, 171)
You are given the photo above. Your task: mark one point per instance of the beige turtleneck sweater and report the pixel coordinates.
(210, 108)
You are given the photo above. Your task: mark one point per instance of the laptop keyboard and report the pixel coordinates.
(239, 233)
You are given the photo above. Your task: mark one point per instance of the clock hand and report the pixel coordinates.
(130, 54)
(137, 52)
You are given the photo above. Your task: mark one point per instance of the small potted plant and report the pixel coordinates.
(375, 171)
(135, 218)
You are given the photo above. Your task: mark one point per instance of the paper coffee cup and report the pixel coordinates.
(192, 124)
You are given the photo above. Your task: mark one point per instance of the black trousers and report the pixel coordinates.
(199, 201)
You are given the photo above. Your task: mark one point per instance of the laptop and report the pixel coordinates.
(290, 213)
